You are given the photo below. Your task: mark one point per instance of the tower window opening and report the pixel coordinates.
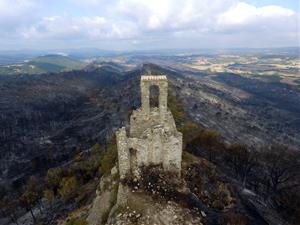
(154, 96)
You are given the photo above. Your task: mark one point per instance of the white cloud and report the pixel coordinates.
(244, 14)
(143, 21)
(68, 27)
(14, 8)
(202, 16)
(89, 2)
(170, 14)
(15, 14)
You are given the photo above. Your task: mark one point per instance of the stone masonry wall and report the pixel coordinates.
(153, 137)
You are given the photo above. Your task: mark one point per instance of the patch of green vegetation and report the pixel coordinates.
(43, 64)
(58, 60)
(42, 67)
(49, 195)
(109, 158)
(188, 158)
(177, 109)
(77, 222)
(112, 201)
(114, 194)
(105, 216)
(68, 187)
(208, 139)
(53, 177)
(189, 131)
(65, 181)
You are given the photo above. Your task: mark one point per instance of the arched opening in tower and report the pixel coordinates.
(154, 96)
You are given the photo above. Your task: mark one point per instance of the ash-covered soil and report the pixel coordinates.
(46, 118)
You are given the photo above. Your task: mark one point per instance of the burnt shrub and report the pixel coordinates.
(157, 182)
(203, 181)
(289, 200)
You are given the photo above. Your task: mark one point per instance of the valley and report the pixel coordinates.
(59, 113)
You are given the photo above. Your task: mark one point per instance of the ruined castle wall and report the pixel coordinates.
(153, 137)
(157, 150)
(173, 153)
(139, 122)
(156, 145)
(123, 153)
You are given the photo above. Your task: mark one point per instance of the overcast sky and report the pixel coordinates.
(148, 24)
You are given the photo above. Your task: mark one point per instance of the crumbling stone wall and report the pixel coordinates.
(153, 137)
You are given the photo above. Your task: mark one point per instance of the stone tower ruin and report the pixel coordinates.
(152, 137)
